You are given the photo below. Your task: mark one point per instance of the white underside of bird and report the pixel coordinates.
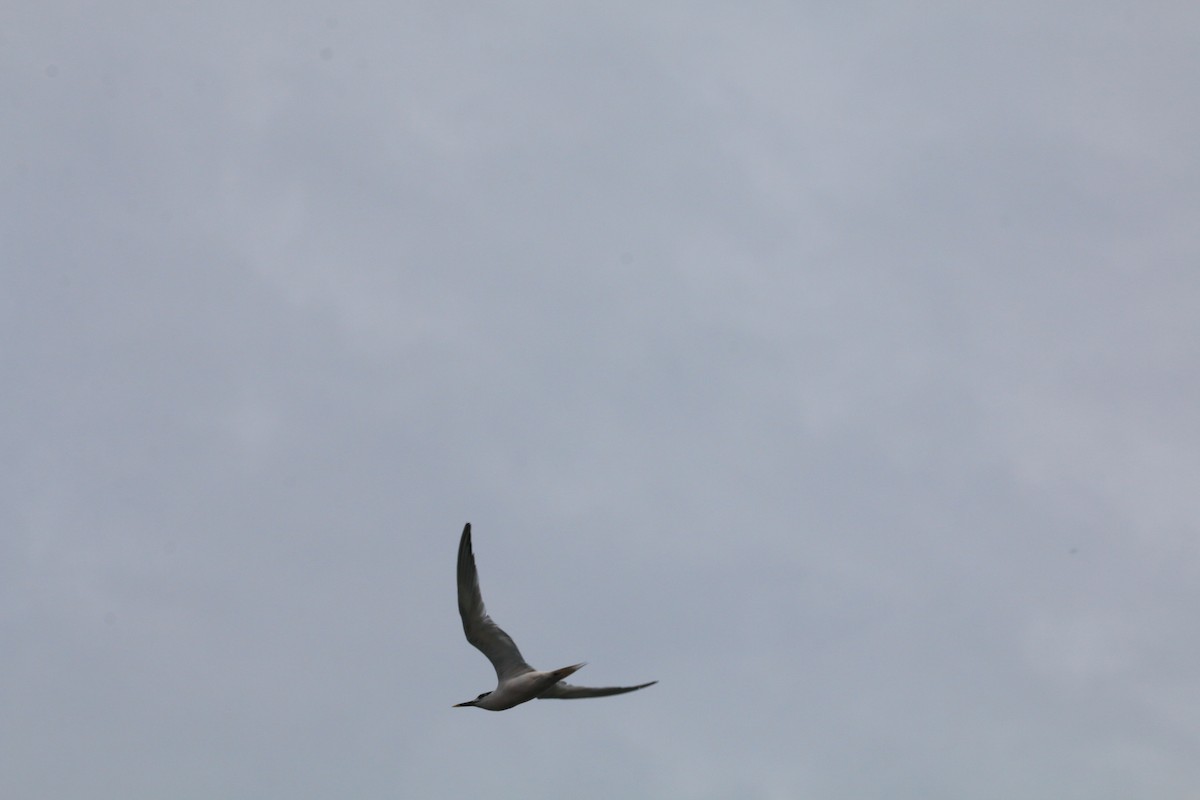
(516, 681)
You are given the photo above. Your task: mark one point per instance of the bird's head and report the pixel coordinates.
(474, 702)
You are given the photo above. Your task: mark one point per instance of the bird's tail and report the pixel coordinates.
(559, 674)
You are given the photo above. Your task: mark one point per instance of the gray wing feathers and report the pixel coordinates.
(565, 691)
(484, 634)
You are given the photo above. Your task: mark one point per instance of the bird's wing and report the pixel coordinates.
(486, 635)
(565, 691)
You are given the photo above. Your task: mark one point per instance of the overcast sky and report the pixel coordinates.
(835, 364)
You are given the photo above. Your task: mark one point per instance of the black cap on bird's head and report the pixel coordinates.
(474, 702)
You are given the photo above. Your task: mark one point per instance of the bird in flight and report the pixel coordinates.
(516, 681)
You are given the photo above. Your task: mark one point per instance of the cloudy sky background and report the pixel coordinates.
(835, 364)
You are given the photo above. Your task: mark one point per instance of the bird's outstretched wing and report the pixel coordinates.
(486, 635)
(565, 691)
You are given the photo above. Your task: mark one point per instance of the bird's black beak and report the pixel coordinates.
(463, 705)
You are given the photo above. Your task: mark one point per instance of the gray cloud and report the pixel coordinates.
(833, 366)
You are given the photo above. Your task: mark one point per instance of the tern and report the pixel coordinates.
(516, 681)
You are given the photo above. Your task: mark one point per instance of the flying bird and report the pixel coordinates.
(516, 681)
